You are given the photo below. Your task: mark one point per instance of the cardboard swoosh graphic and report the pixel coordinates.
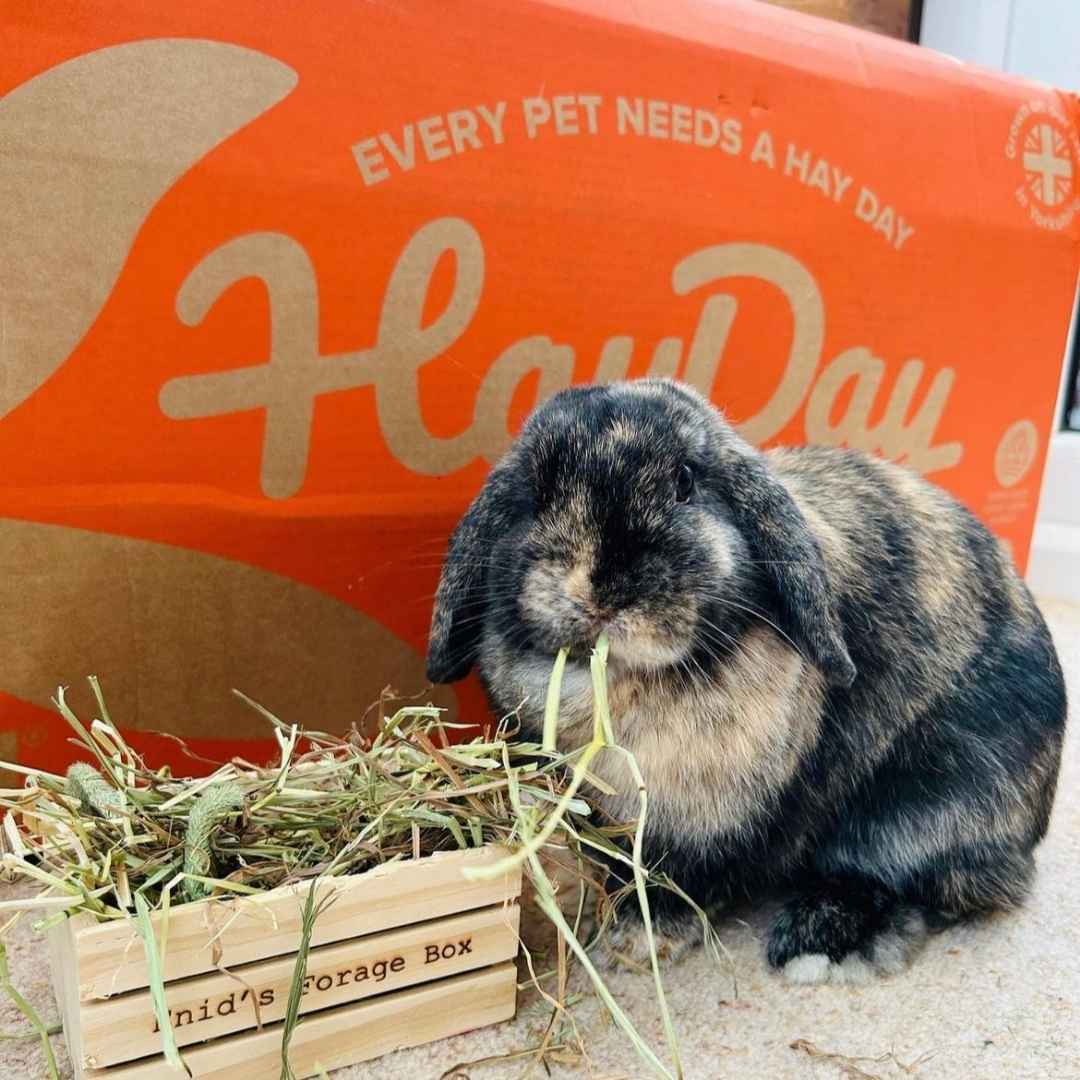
(171, 631)
(86, 150)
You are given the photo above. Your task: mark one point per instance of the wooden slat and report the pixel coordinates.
(61, 944)
(111, 960)
(210, 1006)
(349, 1034)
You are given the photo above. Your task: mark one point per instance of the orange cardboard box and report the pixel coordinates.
(279, 283)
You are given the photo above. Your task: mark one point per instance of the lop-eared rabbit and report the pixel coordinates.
(832, 677)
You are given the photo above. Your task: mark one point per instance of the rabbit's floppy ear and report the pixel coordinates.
(789, 554)
(461, 598)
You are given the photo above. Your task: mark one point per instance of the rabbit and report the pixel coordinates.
(831, 676)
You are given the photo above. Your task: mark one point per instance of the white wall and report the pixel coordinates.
(1039, 39)
(1044, 42)
(972, 30)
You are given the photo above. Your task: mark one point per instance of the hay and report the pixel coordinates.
(119, 839)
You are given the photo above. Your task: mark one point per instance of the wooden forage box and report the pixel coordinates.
(406, 953)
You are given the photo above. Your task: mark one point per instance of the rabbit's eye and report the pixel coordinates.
(684, 484)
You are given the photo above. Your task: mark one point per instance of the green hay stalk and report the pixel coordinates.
(216, 802)
(551, 704)
(311, 912)
(93, 791)
(40, 1030)
(154, 967)
(603, 738)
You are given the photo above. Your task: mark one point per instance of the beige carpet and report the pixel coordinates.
(997, 1000)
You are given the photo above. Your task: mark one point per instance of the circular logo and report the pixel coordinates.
(1048, 163)
(1016, 452)
(1046, 148)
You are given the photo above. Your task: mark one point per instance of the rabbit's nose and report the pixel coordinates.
(615, 592)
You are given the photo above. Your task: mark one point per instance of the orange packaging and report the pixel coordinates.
(281, 281)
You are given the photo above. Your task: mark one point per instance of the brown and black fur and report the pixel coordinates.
(828, 670)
